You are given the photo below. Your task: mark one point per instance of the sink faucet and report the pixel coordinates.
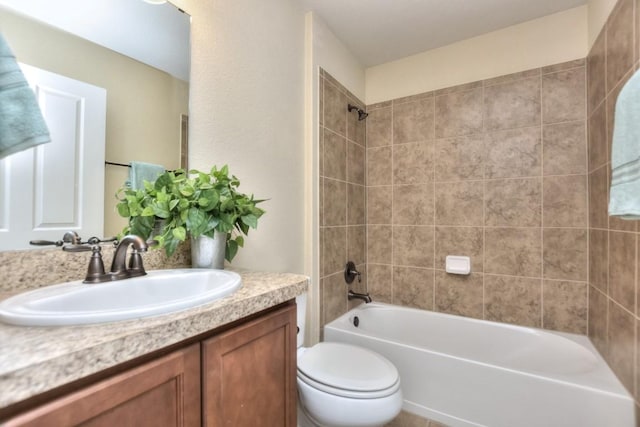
(354, 295)
(119, 269)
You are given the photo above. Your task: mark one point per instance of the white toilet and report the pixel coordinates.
(342, 385)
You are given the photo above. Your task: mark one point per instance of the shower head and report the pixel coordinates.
(361, 113)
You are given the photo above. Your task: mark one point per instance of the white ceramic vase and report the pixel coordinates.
(207, 252)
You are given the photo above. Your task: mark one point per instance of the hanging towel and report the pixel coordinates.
(21, 123)
(139, 172)
(624, 199)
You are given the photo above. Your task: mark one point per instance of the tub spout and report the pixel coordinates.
(354, 295)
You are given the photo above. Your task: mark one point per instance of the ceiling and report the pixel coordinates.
(379, 31)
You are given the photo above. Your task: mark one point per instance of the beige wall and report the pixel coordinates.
(247, 111)
(143, 104)
(549, 40)
(599, 11)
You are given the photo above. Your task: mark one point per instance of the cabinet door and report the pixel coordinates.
(249, 373)
(163, 392)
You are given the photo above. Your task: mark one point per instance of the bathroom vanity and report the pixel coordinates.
(231, 362)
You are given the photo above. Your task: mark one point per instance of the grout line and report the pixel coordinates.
(542, 204)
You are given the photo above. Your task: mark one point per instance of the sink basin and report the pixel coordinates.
(159, 292)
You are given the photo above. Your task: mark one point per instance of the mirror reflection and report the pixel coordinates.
(146, 107)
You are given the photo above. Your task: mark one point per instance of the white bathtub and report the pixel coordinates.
(467, 372)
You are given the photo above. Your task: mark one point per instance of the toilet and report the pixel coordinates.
(343, 385)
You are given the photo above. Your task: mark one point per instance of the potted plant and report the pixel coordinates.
(205, 206)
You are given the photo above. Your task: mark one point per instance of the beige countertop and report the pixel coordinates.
(37, 359)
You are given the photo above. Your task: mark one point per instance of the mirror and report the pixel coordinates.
(137, 51)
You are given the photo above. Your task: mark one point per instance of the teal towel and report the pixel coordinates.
(139, 172)
(21, 123)
(624, 199)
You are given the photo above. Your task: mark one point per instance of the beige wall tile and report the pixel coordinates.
(564, 66)
(379, 166)
(379, 127)
(513, 153)
(564, 148)
(413, 163)
(563, 96)
(412, 98)
(356, 204)
(379, 244)
(512, 105)
(459, 203)
(460, 158)
(356, 161)
(513, 251)
(334, 297)
(459, 113)
(565, 253)
(356, 129)
(413, 121)
(413, 246)
(335, 202)
(565, 201)
(513, 202)
(597, 138)
(321, 101)
(357, 244)
(619, 42)
(622, 268)
(321, 151)
(335, 156)
(458, 88)
(513, 300)
(379, 202)
(508, 78)
(598, 199)
(463, 241)
(413, 204)
(598, 319)
(334, 249)
(380, 282)
(599, 259)
(565, 306)
(596, 63)
(413, 287)
(335, 109)
(621, 344)
(460, 295)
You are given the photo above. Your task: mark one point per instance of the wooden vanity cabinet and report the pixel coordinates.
(163, 392)
(249, 374)
(245, 376)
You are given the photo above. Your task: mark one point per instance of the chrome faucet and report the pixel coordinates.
(354, 295)
(119, 269)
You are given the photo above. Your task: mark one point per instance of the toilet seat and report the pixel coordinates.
(348, 371)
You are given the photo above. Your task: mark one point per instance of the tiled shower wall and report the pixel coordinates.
(613, 311)
(342, 195)
(494, 170)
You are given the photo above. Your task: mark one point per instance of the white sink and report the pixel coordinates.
(159, 292)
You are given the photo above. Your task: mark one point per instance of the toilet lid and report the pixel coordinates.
(347, 367)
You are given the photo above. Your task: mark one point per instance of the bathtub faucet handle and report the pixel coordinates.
(350, 273)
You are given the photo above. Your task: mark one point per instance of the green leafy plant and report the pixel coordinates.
(195, 204)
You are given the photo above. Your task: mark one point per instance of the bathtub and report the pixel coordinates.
(467, 372)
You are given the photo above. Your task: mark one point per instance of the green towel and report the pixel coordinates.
(139, 172)
(21, 123)
(624, 199)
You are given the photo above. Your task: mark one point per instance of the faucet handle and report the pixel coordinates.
(350, 273)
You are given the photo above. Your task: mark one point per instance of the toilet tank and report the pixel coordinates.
(301, 301)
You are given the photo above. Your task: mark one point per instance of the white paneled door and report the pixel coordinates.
(59, 186)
